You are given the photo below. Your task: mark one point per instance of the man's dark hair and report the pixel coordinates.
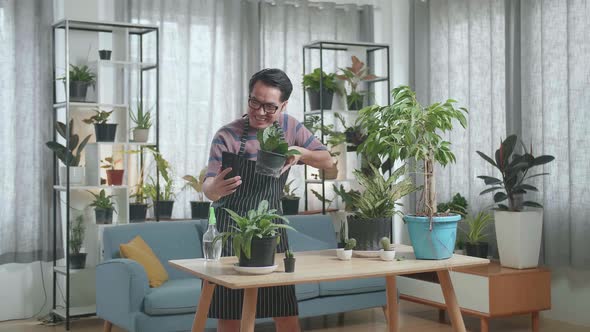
(275, 78)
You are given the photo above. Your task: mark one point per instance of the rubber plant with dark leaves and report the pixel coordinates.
(70, 155)
(514, 170)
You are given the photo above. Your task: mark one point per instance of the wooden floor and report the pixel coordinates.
(414, 317)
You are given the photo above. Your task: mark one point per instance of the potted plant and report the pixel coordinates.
(105, 132)
(475, 235)
(376, 206)
(104, 54)
(162, 196)
(143, 123)
(354, 75)
(353, 135)
(69, 156)
(255, 235)
(80, 78)
(345, 254)
(333, 139)
(290, 201)
(114, 176)
(77, 258)
(404, 130)
(103, 207)
(311, 83)
(459, 245)
(458, 204)
(200, 208)
(289, 261)
(387, 252)
(511, 221)
(138, 208)
(273, 152)
(349, 197)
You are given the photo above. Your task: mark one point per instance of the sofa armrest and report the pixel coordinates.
(121, 285)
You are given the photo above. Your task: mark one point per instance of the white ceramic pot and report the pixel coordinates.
(344, 255)
(388, 255)
(519, 237)
(77, 176)
(141, 135)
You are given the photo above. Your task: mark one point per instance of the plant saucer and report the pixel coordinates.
(255, 270)
(366, 253)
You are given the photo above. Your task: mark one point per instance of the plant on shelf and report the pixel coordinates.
(162, 196)
(354, 75)
(345, 253)
(103, 207)
(406, 129)
(353, 135)
(138, 207)
(77, 258)
(311, 83)
(458, 204)
(333, 139)
(105, 132)
(143, 123)
(511, 220)
(273, 152)
(376, 205)
(476, 235)
(114, 176)
(255, 235)
(289, 261)
(199, 208)
(70, 155)
(290, 200)
(80, 78)
(387, 252)
(349, 198)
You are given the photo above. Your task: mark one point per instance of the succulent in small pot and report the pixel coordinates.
(114, 176)
(290, 201)
(77, 258)
(80, 78)
(476, 234)
(345, 254)
(387, 253)
(70, 155)
(354, 75)
(103, 207)
(105, 132)
(199, 208)
(273, 152)
(289, 261)
(311, 83)
(143, 123)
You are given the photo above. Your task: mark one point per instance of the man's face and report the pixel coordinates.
(267, 98)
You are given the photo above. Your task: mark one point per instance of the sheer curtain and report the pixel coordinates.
(25, 96)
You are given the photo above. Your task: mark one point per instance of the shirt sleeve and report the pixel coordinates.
(218, 146)
(305, 139)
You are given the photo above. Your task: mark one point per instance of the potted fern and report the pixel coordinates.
(103, 207)
(354, 75)
(143, 123)
(512, 220)
(70, 155)
(161, 194)
(80, 78)
(311, 83)
(114, 176)
(77, 258)
(105, 132)
(200, 208)
(475, 234)
(290, 201)
(406, 129)
(273, 152)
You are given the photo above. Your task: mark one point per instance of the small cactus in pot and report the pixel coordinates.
(345, 253)
(388, 252)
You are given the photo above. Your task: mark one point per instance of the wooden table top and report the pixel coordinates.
(323, 265)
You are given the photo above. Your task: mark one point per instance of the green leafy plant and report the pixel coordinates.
(81, 74)
(331, 136)
(354, 75)
(514, 168)
(288, 254)
(406, 129)
(196, 184)
(256, 223)
(458, 204)
(101, 117)
(349, 198)
(69, 155)
(378, 200)
(385, 244)
(142, 120)
(353, 135)
(350, 244)
(102, 201)
(312, 81)
(152, 189)
(271, 140)
(77, 235)
(289, 193)
(322, 198)
(110, 162)
(476, 227)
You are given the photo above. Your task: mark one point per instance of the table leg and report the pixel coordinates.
(249, 310)
(484, 324)
(203, 307)
(451, 301)
(535, 319)
(392, 307)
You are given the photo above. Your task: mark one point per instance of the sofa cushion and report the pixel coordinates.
(307, 291)
(177, 296)
(301, 242)
(354, 286)
(140, 252)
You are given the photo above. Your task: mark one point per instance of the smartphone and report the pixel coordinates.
(230, 160)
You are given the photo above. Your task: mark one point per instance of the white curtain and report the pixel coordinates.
(25, 96)
(555, 62)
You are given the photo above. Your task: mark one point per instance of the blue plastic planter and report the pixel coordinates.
(436, 244)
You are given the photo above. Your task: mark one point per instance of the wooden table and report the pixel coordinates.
(316, 266)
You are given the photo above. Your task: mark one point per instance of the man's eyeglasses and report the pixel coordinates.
(256, 105)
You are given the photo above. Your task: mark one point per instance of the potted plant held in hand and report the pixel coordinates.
(70, 155)
(475, 235)
(200, 208)
(354, 75)
(114, 176)
(273, 152)
(290, 201)
(512, 220)
(311, 83)
(143, 123)
(77, 258)
(345, 254)
(80, 78)
(105, 132)
(404, 130)
(103, 207)
(289, 262)
(387, 252)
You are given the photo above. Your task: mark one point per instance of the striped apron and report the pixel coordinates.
(276, 301)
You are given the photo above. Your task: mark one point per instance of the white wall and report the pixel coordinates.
(570, 296)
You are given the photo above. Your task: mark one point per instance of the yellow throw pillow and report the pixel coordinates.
(140, 252)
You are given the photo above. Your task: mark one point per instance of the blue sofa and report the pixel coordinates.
(124, 298)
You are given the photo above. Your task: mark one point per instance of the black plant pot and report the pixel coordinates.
(262, 252)
(479, 249)
(289, 264)
(103, 216)
(230, 160)
(290, 206)
(353, 103)
(314, 99)
(77, 261)
(78, 91)
(105, 132)
(137, 212)
(163, 209)
(200, 210)
(269, 163)
(369, 232)
(104, 54)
